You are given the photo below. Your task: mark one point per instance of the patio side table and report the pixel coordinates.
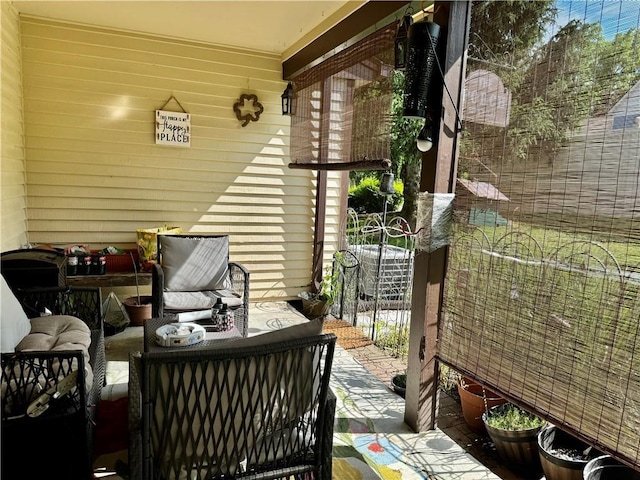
(211, 337)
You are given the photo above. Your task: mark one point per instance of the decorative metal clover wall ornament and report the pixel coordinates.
(248, 109)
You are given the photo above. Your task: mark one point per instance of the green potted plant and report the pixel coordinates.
(318, 304)
(138, 308)
(514, 432)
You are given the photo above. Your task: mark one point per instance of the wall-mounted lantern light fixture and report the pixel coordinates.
(401, 42)
(288, 100)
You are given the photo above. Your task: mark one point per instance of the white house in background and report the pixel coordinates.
(593, 176)
(624, 115)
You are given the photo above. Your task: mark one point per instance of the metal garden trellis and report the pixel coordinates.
(384, 252)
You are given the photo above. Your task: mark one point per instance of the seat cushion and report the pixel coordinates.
(184, 301)
(293, 332)
(59, 333)
(14, 324)
(193, 264)
(48, 333)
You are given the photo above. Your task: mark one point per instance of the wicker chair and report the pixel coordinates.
(193, 271)
(252, 408)
(59, 442)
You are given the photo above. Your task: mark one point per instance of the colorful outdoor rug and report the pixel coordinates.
(361, 450)
(361, 453)
(348, 336)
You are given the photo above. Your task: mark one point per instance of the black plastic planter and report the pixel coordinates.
(608, 468)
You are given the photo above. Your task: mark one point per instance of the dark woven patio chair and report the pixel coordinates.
(193, 271)
(59, 442)
(251, 408)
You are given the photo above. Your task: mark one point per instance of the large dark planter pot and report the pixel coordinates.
(518, 448)
(399, 384)
(472, 401)
(608, 468)
(561, 455)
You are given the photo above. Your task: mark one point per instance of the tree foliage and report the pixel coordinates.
(557, 81)
(365, 197)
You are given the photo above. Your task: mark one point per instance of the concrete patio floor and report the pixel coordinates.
(366, 403)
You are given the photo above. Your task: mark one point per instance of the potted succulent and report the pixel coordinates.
(138, 308)
(514, 432)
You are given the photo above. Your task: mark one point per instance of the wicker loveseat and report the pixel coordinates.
(256, 407)
(62, 351)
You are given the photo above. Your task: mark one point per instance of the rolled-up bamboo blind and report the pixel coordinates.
(344, 106)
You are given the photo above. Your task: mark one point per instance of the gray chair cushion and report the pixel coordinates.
(184, 301)
(301, 330)
(192, 264)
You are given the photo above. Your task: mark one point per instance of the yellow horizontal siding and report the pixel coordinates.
(147, 43)
(220, 208)
(142, 64)
(13, 190)
(95, 175)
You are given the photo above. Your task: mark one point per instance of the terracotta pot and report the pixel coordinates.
(472, 400)
(138, 313)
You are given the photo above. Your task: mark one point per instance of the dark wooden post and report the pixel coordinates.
(439, 166)
(321, 189)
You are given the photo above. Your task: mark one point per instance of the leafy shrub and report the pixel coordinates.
(365, 197)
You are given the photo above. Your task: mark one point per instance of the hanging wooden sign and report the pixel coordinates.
(173, 128)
